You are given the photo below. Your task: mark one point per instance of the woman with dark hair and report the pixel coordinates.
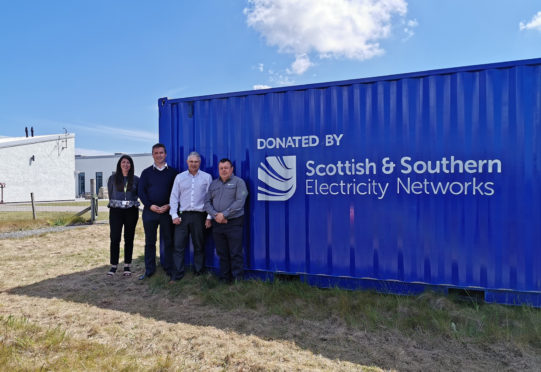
(123, 211)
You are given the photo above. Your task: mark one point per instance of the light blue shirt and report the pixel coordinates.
(190, 191)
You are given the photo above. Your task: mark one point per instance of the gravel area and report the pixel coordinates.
(25, 233)
(48, 208)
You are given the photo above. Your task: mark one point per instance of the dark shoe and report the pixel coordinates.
(144, 276)
(237, 279)
(174, 279)
(127, 271)
(197, 273)
(112, 271)
(225, 281)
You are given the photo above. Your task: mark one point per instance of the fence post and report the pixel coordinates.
(92, 195)
(2, 185)
(33, 206)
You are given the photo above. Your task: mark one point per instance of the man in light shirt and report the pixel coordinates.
(187, 203)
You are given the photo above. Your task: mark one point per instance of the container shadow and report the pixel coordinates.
(152, 298)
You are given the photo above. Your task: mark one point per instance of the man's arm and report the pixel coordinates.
(209, 208)
(142, 193)
(141, 190)
(208, 223)
(209, 181)
(240, 198)
(174, 199)
(167, 207)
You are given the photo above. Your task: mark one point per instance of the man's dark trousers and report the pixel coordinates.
(191, 223)
(228, 241)
(151, 221)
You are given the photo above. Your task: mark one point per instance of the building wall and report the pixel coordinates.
(106, 164)
(49, 175)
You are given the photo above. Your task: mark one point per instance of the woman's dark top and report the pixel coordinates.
(122, 198)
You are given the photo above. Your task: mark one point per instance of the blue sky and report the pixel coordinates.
(97, 68)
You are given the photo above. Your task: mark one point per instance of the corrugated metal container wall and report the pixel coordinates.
(471, 224)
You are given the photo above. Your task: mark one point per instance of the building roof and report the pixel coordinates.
(21, 141)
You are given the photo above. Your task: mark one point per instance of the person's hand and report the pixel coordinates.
(220, 218)
(176, 220)
(208, 224)
(159, 210)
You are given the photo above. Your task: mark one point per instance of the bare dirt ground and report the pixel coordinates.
(58, 279)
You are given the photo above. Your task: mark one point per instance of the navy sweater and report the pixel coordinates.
(155, 186)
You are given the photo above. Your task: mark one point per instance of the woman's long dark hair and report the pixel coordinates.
(119, 177)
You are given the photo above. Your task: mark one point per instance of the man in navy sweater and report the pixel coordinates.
(155, 186)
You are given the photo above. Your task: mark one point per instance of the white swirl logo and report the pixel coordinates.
(279, 176)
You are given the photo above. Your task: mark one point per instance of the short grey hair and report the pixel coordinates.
(193, 153)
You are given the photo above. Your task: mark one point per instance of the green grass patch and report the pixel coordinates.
(68, 220)
(26, 346)
(426, 314)
(17, 221)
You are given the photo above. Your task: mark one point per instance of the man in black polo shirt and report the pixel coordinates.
(225, 204)
(155, 186)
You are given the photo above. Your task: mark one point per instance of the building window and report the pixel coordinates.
(81, 184)
(99, 181)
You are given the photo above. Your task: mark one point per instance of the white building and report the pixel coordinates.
(43, 165)
(100, 168)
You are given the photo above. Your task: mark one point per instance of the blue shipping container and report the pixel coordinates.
(396, 183)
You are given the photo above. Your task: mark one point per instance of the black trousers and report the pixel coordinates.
(191, 223)
(228, 240)
(151, 221)
(122, 218)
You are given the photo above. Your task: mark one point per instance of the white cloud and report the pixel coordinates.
(408, 28)
(129, 133)
(261, 86)
(261, 67)
(534, 24)
(301, 64)
(109, 131)
(329, 28)
(137, 135)
(279, 79)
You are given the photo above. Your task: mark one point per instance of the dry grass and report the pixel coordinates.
(28, 346)
(59, 311)
(19, 216)
(58, 281)
(16, 221)
(75, 203)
